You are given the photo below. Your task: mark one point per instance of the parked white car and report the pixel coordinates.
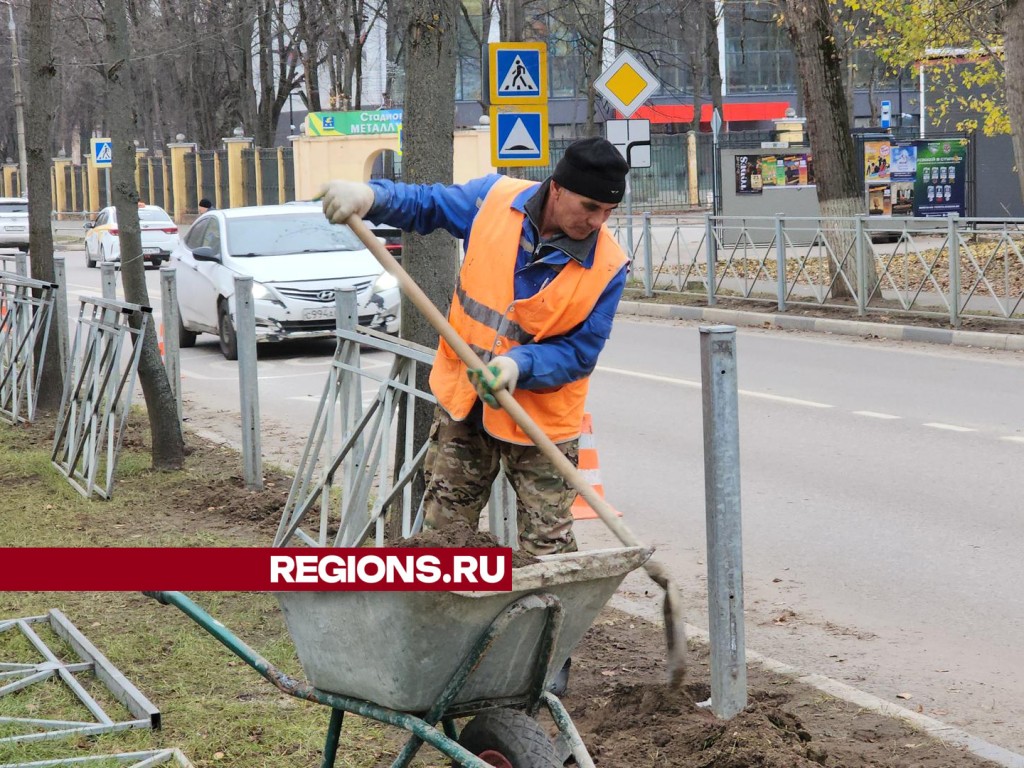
(296, 258)
(14, 223)
(158, 230)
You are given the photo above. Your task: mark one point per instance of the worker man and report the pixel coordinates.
(536, 295)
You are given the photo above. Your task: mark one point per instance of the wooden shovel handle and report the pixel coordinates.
(572, 475)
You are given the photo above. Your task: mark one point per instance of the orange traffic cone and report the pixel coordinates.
(581, 510)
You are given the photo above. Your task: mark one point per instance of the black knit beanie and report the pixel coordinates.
(593, 168)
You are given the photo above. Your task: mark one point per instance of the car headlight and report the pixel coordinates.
(260, 292)
(385, 282)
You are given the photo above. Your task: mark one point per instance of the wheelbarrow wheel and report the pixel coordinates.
(508, 738)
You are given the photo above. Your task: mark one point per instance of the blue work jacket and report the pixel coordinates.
(552, 362)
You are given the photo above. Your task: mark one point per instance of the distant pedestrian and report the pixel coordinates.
(205, 205)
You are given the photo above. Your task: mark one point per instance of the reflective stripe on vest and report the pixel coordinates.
(485, 313)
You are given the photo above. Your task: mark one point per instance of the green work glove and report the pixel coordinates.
(502, 373)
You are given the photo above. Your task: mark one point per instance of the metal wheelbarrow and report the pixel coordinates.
(417, 660)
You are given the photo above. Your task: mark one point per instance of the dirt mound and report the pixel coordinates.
(671, 730)
(628, 716)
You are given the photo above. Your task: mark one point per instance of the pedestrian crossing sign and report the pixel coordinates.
(519, 73)
(519, 135)
(102, 152)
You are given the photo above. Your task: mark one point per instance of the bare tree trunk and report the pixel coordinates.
(168, 449)
(809, 23)
(1013, 42)
(38, 121)
(713, 63)
(431, 260)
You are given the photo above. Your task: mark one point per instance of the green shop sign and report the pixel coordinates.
(369, 123)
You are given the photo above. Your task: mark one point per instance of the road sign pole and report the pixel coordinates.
(107, 175)
(629, 218)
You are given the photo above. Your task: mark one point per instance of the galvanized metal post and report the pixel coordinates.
(501, 512)
(724, 529)
(648, 260)
(629, 217)
(169, 331)
(248, 382)
(60, 277)
(108, 278)
(710, 252)
(346, 318)
(21, 263)
(780, 261)
(346, 309)
(862, 273)
(954, 271)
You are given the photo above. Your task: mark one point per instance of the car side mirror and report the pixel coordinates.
(89, 225)
(204, 253)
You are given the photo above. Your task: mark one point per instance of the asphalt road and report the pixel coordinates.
(881, 493)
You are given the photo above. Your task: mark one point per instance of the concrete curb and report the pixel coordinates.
(1007, 341)
(928, 725)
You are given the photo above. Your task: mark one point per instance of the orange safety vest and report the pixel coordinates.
(486, 314)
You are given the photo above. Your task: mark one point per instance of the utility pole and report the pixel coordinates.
(19, 103)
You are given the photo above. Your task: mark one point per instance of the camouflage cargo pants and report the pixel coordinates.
(461, 463)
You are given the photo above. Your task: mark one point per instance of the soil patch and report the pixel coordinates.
(617, 695)
(628, 716)
(459, 533)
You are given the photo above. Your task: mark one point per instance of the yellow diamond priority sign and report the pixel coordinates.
(627, 84)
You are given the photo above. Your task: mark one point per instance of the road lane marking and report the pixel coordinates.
(697, 385)
(1012, 439)
(948, 427)
(876, 415)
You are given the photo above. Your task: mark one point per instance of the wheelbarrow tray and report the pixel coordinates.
(399, 649)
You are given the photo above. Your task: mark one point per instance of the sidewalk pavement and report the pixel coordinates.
(983, 339)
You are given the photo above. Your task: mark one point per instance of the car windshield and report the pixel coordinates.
(153, 214)
(294, 233)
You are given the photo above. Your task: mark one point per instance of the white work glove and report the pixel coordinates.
(343, 198)
(504, 372)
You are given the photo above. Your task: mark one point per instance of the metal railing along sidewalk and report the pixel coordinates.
(861, 264)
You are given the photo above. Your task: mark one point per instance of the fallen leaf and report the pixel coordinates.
(609, 672)
(904, 695)
(218, 755)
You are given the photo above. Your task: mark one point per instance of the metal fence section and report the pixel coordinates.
(21, 673)
(270, 192)
(861, 264)
(192, 195)
(144, 759)
(26, 309)
(98, 387)
(355, 447)
(207, 161)
(288, 161)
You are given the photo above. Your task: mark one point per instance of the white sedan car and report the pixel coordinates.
(14, 223)
(158, 230)
(296, 258)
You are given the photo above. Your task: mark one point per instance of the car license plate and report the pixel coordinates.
(318, 314)
(14, 229)
(151, 250)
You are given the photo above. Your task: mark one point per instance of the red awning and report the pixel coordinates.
(735, 112)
